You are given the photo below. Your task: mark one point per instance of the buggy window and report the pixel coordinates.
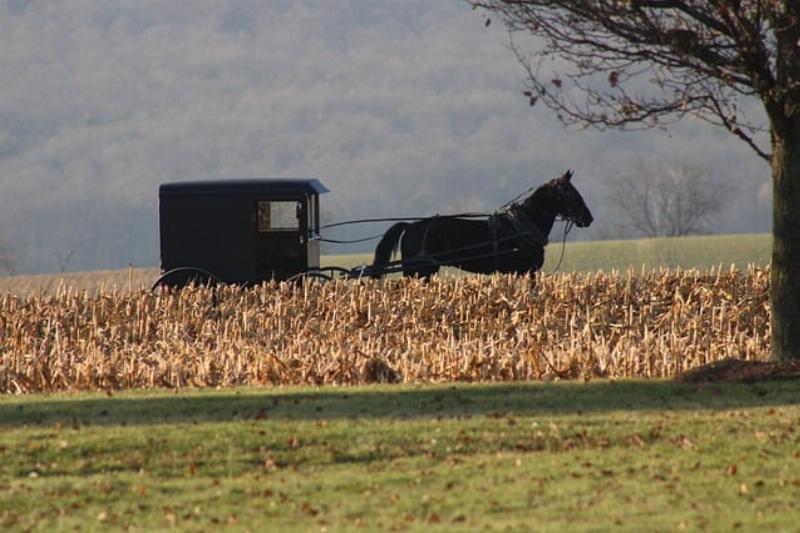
(278, 216)
(312, 215)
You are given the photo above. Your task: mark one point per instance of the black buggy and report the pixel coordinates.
(238, 231)
(246, 232)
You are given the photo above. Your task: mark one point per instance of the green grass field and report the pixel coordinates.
(685, 252)
(562, 456)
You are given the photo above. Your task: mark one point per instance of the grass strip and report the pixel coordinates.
(630, 455)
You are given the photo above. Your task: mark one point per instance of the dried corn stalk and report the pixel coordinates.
(500, 328)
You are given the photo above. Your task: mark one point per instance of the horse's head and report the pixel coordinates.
(559, 196)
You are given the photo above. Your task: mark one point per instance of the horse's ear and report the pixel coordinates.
(568, 175)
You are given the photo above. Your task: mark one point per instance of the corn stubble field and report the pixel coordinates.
(500, 328)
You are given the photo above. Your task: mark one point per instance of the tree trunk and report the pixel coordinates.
(785, 274)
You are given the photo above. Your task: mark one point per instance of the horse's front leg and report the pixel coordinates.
(530, 275)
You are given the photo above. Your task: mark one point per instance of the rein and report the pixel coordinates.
(389, 219)
(567, 228)
(400, 219)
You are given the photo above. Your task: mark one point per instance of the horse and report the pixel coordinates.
(511, 240)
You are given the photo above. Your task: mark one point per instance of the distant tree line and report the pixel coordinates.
(660, 200)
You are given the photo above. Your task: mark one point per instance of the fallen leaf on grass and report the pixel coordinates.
(308, 509)
(682, 441)
(9, 519)
(637, 440)
(170, 516)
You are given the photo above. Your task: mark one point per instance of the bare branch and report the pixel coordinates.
(635, 64)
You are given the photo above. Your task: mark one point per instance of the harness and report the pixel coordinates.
(494, 222)
(423, 252)
(530, 238)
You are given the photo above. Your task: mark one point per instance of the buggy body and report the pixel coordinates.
(240, 231)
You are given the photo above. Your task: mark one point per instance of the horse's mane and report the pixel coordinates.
(541, 196)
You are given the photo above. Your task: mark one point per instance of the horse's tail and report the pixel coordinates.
(389, 243)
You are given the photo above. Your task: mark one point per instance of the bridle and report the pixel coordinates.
(570, 221)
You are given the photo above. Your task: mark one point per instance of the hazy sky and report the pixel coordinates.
(406, 107)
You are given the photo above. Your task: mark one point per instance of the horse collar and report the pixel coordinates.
(530, 233)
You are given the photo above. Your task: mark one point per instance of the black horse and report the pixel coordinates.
(511, 241)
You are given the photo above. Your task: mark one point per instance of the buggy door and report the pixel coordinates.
(281, 230)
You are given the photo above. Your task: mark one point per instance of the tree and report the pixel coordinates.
(647, 63)
(665, 201)
(64, 257)
(7, 262)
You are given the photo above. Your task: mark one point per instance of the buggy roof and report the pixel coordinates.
(258, 186)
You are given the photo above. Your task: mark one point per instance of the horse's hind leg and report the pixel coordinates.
(420, 269)
(424, 273)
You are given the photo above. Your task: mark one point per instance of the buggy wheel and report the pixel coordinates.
(177, 278)
(311, 274)
(336, 272)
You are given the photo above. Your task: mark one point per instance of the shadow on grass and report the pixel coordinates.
(388, 401)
